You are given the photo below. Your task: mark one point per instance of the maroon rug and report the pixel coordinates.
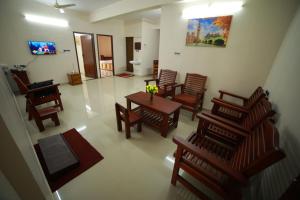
(87, 155)
(125, 75)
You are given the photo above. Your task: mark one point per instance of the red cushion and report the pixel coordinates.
(186, 99)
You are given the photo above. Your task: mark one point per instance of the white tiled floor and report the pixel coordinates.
(138, 168)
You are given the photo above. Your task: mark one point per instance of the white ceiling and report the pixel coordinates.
(81, 5)
(152, 15)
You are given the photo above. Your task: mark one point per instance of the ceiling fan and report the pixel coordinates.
(62, 6)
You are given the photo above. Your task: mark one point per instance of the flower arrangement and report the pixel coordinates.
(152, 89)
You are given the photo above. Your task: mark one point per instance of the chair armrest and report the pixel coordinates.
(43, 88)
(223, 125)
(212, 160)
(199, 94)
(230, 103)
(50, 80)
(181, 85)
(225, 121)
(222, 92)
(149, 80)
(230, 106)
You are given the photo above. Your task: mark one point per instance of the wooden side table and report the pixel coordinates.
(74, 78)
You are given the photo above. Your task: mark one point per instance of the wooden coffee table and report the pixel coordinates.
(160, 113)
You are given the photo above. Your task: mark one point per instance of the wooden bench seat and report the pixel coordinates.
(221, 167)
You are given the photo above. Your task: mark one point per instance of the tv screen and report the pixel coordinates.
(42, 47)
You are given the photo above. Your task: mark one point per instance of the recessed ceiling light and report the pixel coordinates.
(46, 20)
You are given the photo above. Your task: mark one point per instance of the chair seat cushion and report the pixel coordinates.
(186, 99)
(133, 117)
(229, 113)
(47, 111)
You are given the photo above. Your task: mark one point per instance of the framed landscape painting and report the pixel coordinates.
(208, 32)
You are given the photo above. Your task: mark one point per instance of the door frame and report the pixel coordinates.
(112, 52)
(93, 46)
(127, 53)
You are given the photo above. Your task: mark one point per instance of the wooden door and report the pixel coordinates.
(129, 53)
(88, 55)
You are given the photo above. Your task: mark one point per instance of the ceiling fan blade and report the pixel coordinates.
(65, 5)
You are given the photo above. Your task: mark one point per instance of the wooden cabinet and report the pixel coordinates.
(74, 78)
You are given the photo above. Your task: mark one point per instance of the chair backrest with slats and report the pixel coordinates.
(259, 150)
(260, 111)
(166, 76)
(121, 112)
(20, 83)
(256, 95)
(194, 83)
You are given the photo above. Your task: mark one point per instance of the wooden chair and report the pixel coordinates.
(220, 167)
(232, 110)
(44, 113)
(40, 93)
(155, 69)
(165, 81)
(130, 118)
(261, 110)
(192, 93)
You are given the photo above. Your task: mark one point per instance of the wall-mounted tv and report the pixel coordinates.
(42, 47)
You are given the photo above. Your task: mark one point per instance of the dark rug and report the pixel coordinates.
(125, 75)
(87, 155)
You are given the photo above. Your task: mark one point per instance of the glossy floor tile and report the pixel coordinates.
(138, 168)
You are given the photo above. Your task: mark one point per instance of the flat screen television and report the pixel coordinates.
(42, 47)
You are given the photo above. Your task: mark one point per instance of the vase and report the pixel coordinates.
(151, 97)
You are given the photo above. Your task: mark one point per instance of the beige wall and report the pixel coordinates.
(15, 33)
(104, 43)
(255, 36)
(283, 83)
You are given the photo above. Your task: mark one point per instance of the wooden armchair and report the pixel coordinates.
(261, 110)
(164, 82)
(232, 110)
(192, 93)
(130, 118)
(222, 168)
(41, 114)
(40, 93)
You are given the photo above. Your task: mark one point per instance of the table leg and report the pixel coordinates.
(128, 104)
(164, 126)
(176, 117)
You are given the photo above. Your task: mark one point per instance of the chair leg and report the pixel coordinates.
(119, 124)
(60, 104)
(55, 119)
(127, 130)
(139, 127)
(194, 114)
(178, 155)
(39, 124)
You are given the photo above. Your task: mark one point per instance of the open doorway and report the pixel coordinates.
(85, 52)
(105, 55)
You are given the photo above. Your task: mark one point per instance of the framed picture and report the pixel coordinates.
(208, 32)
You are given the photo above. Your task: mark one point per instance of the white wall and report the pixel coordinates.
(15, 32)
(148, 34)
(150, 45)
(255, 36)
(283, 83)
(16, 149)
(7, 192)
